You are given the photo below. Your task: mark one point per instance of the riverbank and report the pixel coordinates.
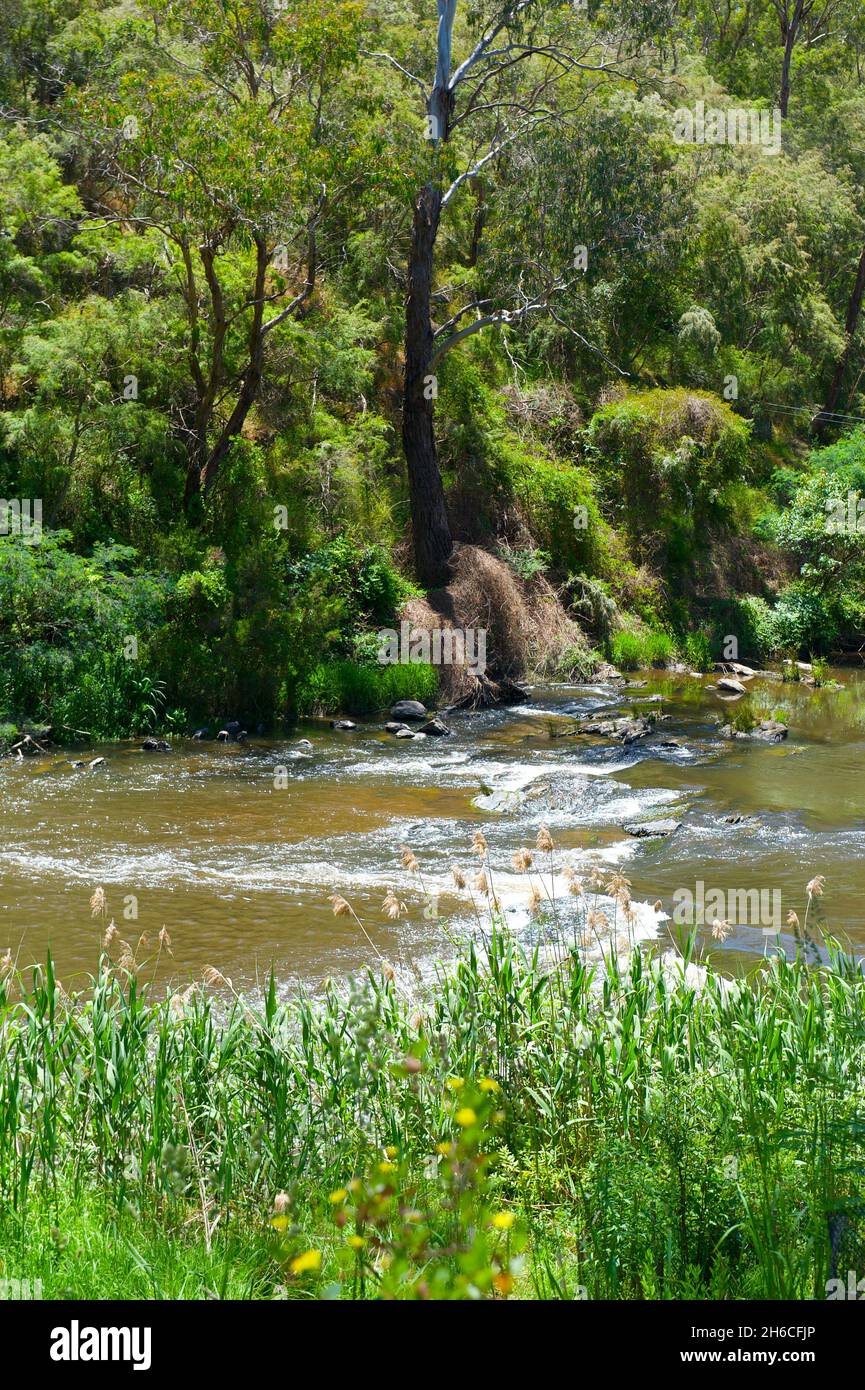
(531, 1126)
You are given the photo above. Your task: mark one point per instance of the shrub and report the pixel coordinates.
(626, 650)
(660, 449)
(578, 663)
(79, 637)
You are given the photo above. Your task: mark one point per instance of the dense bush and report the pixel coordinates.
(102, 646)
(79, 637)
(660, 451)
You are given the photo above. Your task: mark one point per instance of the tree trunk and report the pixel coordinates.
(205, 462)
(854, 309)
(784, 101)
(789, 38)
(245, 402)
(430, 527)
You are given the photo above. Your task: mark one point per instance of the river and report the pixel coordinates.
(236, 849)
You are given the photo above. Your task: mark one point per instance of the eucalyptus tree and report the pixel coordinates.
(813, 20)
(498, 72)
(214, 140)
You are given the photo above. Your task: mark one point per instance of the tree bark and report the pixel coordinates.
(431, 532)
(205, 461)
(854, 310)
(784, 99)
(789, 32)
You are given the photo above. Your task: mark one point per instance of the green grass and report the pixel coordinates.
(345, 687)
(631, 651)
(529, 1125)
(88, 1250)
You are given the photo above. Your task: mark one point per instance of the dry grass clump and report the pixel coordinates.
(528, 630)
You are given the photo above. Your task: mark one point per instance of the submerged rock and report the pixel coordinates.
(499, 801)
(650, 828)
(342, 724)
(394, 727)
(97, 762)
(622, 730)
(155, 745)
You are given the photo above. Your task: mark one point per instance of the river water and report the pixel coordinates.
(236, 849)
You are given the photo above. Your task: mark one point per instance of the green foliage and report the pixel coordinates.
(145, 252)
(697, 650)
(664, 457)
(633, 650)
(346, 687)
(373, 1143)
(805, 620)
(362, 580)
(75, 637)
(525, 561)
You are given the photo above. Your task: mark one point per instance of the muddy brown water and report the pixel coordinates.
(236, 849)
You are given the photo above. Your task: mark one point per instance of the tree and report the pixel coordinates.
(478, 94)
(794, 16)
(217, 145)
(827, 415)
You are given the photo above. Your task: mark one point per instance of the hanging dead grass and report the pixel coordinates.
(528, 630)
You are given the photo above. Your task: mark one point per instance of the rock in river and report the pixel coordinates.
(434, 727)
(768, 730)
(622, 730)
(731, 686)
(644, 829)
(412, 710)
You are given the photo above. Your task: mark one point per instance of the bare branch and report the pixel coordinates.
(386, 57)
(480, 49)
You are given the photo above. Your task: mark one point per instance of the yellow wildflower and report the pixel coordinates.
(307, 1263)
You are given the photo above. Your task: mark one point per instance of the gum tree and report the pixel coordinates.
(477, 109)
(215, 142)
